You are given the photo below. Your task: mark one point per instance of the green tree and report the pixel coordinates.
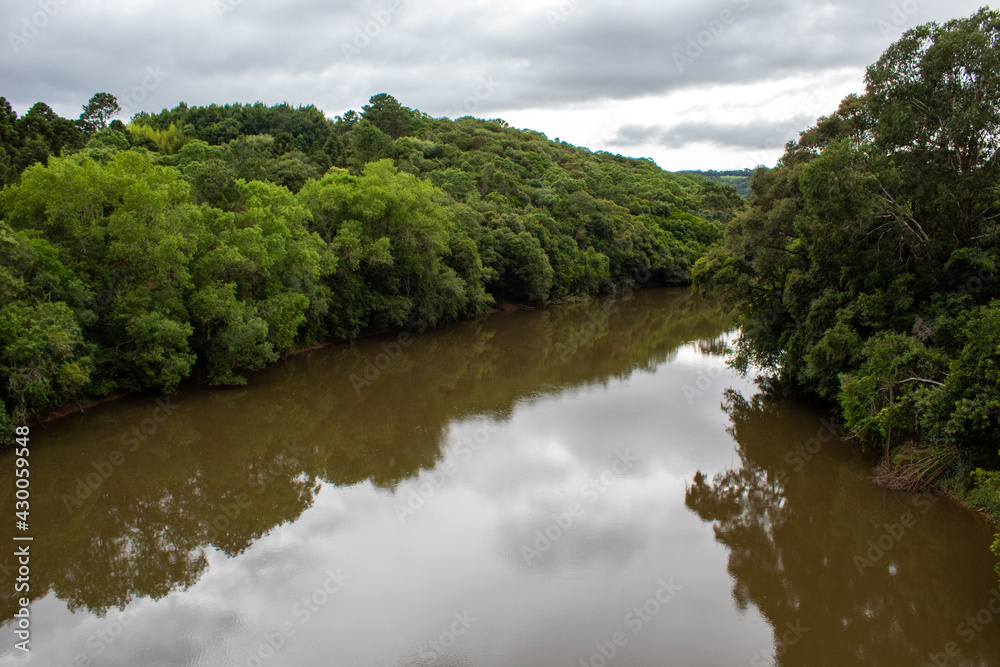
(395, 240)
(42, 356)
(387, 114)
(166, 141)
(934, 103)
(100, 109)
(864, 269)
(257, 281)
(124, 229)
(521, 267)
(367, 143)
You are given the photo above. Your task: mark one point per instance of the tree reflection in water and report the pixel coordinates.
(230, 466)
(794, 528)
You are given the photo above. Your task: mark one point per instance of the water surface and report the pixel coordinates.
(586, 484)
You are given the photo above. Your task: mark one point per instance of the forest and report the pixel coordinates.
(207, 242)
(865, 269)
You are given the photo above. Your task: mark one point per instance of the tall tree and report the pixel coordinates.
(387, 114)
(934, 98)
(101, 108)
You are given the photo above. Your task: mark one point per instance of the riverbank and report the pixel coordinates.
(81, 407)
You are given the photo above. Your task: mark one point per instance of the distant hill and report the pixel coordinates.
(738, 179)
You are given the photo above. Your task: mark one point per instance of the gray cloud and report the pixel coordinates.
(761, 134)
(434, 55)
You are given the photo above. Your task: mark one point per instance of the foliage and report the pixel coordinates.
(986, 492)
(256, 277)
(101, 108)
(43, 357)
(864, 270)
(32, 138)
(393, 238)
(167, 141)
(996, 551)
(388, 115)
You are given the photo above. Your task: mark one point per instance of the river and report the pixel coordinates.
(587, 484)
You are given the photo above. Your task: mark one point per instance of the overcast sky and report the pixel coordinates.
(694, 85)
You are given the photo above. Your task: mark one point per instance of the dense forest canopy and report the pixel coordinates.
(209, 241)
(865, 268)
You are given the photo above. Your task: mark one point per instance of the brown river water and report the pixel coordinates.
(584, 485)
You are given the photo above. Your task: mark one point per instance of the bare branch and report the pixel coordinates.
(925, 381)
